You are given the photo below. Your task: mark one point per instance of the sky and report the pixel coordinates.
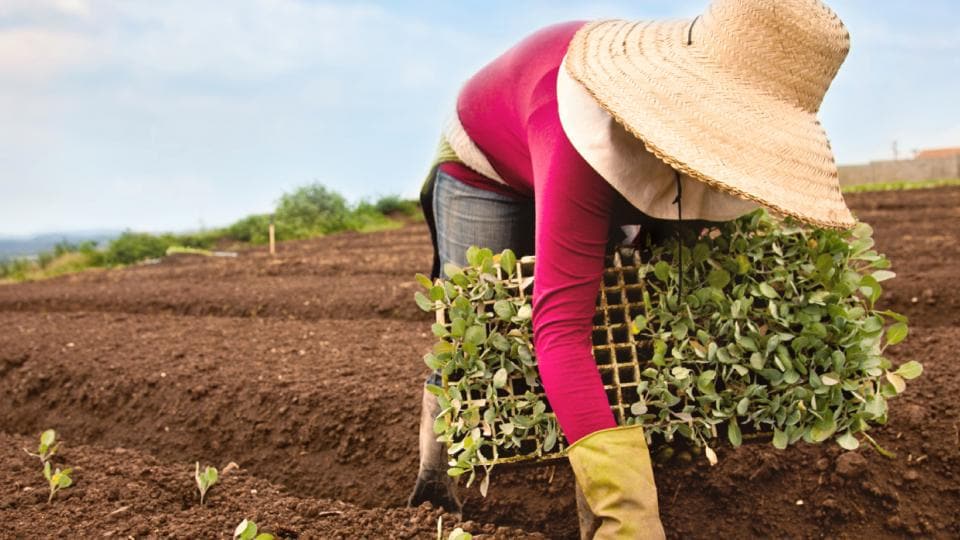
(178, 115)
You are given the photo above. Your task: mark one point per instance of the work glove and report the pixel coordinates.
(615, 477)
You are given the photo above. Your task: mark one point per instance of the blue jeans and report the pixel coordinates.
(461, 216)
(468, 216)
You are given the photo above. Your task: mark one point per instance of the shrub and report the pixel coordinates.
(15, 269)
(253, 229)
(366, 218)
(197, 240)
(63, 247)
(309, 211)
(776, 333)
(394, 204)
(131, 247)
(45, 258)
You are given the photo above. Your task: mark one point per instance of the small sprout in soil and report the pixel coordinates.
(205, 480)
(456, 534)
(247, 530)
(48, 446)
(57, 479)
(459, 534)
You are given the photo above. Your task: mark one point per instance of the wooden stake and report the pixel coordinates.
(273, 240)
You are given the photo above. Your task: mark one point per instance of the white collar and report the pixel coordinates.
(621, 159)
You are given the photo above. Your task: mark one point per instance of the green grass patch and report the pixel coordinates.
(901, 186)
(307, 212)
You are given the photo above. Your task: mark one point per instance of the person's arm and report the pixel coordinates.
(573, 205)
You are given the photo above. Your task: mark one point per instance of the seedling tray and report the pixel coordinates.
(775, 336)
(619, 356)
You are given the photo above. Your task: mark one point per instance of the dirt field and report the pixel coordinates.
(305, 370)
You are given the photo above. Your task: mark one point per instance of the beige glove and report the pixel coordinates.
(615, 476)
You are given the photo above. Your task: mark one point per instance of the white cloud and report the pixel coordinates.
(44, 9)
(36, 54)
(241, 39)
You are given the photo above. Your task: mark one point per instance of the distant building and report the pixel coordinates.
(938, 153)
(932, 164)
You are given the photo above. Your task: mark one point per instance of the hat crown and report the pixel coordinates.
(790, 49)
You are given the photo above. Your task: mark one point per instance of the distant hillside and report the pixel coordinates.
(28, 246)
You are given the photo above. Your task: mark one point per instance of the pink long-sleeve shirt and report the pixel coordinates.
(509, 110)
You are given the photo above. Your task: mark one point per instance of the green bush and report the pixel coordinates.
(198, 240)
(776, 332)
(45, 258)
(252, 229)
(131, 247)
(310, 211)
(62, 247)
(15, 269)
(394, 204)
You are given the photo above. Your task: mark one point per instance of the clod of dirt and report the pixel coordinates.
(851, 465)
(911, 414)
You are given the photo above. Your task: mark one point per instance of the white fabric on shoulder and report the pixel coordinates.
(621, 159)
(466, 150)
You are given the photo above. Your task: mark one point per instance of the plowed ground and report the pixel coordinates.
(305, 370)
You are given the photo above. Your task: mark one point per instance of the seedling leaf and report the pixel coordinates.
(848, 442)
(508, 261)
(896, 333)
(47, 438)
(780, 439)
(57, 479)
(711, 455)
(910, 370)
(718, 278)
(205, 480)
(247, 530)
(424, 281)
(423, 302)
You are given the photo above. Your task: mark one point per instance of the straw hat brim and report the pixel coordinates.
(705, 121)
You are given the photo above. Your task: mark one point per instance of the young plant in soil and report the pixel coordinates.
(456, 534)
(56, 479)
(47, 448)
(205, 480)
(247, 530)
(776, 333)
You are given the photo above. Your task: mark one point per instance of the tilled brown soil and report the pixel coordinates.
(123, 493)
(305, 371)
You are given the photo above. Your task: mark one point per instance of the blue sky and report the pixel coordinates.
(179, 114)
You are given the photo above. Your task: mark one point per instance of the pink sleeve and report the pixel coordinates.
(573, 205)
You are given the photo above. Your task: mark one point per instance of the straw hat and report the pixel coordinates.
(729, 98)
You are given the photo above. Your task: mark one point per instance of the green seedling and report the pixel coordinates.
(247, 530)
(48, 446)
(205, 480)
(456, 534)
(776, 333)
(57, 479)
